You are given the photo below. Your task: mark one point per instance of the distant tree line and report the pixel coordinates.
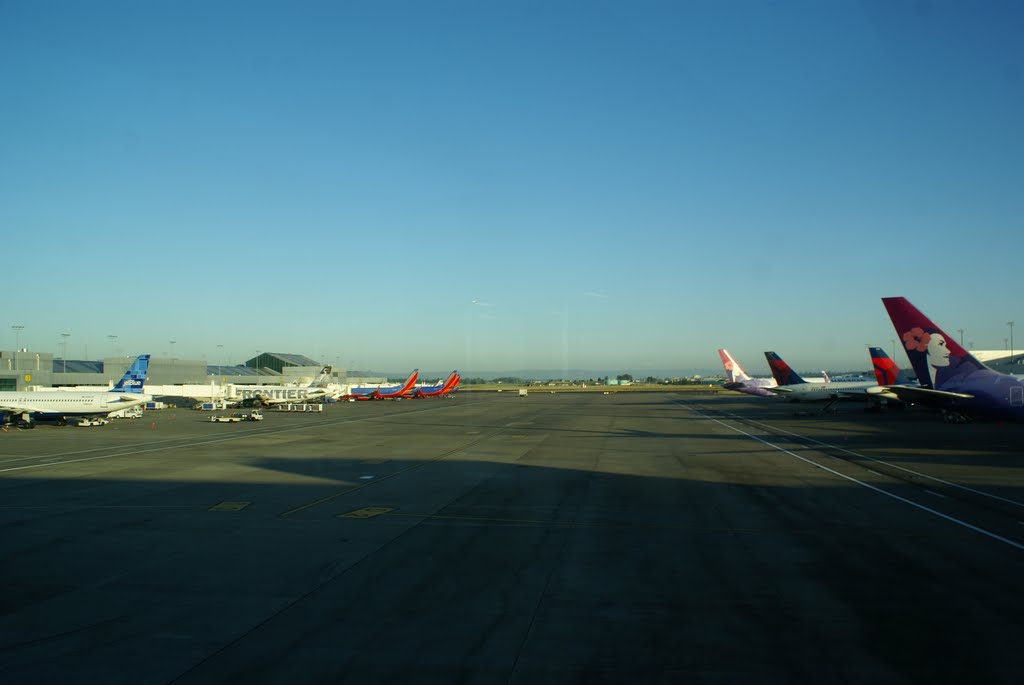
(508, 380)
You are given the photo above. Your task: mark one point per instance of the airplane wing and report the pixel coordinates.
(862, 392)
(909, 393)
(780, 389)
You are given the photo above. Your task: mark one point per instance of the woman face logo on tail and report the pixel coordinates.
(938, 352)
(932, 345)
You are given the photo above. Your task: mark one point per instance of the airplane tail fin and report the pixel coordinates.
(409, 382)
(450, 382)
(781, 371)
(733, 371)
(134, 378)
(322, 378)
(928, 346)
(454, 385)
(886, 370)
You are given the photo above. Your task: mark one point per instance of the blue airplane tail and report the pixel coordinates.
(781, 371)
(135, 377)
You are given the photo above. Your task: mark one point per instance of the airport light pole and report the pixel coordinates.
(220, 359)
(257, 367)
(893, 341)
(113, 345)
(172, 349)
(961, 336)
(65, 353)
(1010, 324)
(18, 328)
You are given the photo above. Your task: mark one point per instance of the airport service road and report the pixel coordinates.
(641, 537)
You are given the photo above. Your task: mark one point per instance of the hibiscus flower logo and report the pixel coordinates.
(916, 339)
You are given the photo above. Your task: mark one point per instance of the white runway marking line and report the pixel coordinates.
(58, 455)
(869, 486)
(240, 436)
(889, 464)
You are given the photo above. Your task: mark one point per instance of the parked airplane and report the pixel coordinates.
(395, 392)
(950, 377)
(246, 395)
(796, 389)
(58, 405)
(740, 381)
(232, 394)
(439, 390)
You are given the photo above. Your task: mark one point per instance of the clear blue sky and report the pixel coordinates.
(619, 186)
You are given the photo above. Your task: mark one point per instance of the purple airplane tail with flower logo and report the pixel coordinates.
(928, 346)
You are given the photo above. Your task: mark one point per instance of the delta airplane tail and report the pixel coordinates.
(781, 371)
(134, 378)
(928, 346)
(886, 370)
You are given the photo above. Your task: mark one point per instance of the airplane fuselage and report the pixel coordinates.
(70, 402)
(993, 393)
(753, 386)
(814, 392)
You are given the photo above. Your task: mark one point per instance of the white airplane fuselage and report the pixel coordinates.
(815, 392)
(68, 402)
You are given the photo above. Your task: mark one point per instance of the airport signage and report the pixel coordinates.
(275, 393)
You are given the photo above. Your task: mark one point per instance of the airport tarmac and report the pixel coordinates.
(632, 537)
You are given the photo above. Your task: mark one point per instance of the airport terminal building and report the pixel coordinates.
(25, 369)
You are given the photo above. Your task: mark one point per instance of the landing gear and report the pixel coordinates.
(828, 410)
(955, 417)
(61, 421)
